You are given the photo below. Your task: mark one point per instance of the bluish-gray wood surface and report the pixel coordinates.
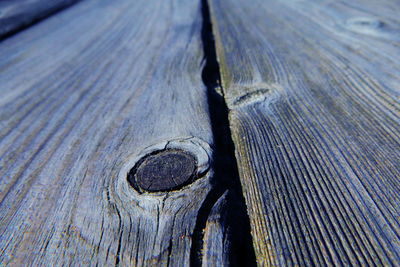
(17, 14)
(312, 89)
(84, 95)
(313, 94)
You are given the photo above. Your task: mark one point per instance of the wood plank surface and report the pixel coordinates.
(17, 14)
(313, 94)
(85, 96)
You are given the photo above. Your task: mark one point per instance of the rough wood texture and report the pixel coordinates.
(16, 14)
(84, 96)
(312, 88)
(216, 235)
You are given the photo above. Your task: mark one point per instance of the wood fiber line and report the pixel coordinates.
(312, 89)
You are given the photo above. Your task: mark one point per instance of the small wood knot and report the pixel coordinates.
(163, 170)
(366, 25)
(367, 22)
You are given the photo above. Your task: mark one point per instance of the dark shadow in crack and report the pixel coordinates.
(224, 164)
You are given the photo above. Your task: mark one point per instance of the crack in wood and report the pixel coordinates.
(238, 244)
(20, 14)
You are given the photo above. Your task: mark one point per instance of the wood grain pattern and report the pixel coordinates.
(313, 92)
(85, 95)
(216, 235)
(17, 14)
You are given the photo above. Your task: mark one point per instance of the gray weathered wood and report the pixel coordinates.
(16, 14)
(312, 88)
(84, 96)
(216, 235)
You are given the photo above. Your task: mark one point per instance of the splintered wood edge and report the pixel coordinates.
(199, 149)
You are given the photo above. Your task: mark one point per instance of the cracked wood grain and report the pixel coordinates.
(85, 95)
(312, 89)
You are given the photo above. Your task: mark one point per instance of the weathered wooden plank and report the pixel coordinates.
(17, 14)
(312, 88)
(87, 95)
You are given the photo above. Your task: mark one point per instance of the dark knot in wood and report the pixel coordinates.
(163, 171)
